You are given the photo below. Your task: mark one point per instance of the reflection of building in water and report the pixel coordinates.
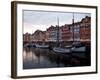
(82, 32)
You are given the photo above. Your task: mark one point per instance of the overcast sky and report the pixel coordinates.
(33, 20)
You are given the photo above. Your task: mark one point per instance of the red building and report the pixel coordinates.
(65, 33)
(85, 29)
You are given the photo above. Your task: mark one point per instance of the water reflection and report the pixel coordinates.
(45, 58)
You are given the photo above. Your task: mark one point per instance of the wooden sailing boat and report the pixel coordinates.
(59, 49)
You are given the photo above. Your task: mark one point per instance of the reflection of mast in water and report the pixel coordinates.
(58, 61)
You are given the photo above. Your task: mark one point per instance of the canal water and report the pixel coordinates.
(44, 58)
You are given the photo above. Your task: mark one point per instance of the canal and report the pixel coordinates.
(44, 58)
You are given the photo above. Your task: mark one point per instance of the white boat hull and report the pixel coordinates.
(78, 49)
(61, 50)
(42, 46)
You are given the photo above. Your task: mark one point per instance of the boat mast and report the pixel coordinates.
(57, 31)
(73, 26)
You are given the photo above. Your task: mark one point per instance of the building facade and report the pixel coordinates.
(38, 36)
(66, 33)
(53, 33)
(77, 31)
(27, 37)
(85, 29)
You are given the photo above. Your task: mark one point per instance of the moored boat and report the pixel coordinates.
(29, 45)
(42, 46)
(61, 50)
(78, 49)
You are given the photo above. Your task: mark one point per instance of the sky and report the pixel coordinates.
(41, 20)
